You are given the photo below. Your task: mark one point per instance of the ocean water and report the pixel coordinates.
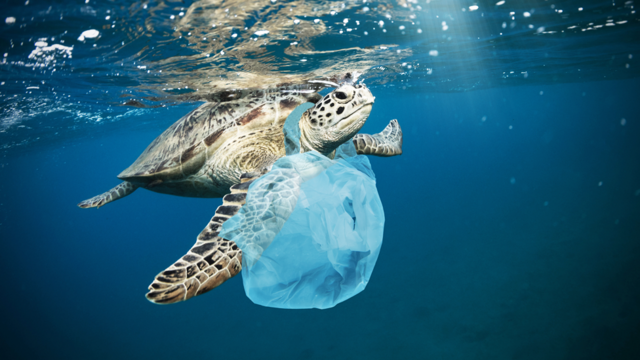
(512, 217)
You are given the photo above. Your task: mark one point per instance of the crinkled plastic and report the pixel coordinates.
(291, 129)
(310, 231)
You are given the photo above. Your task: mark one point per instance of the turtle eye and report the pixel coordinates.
(340, 95)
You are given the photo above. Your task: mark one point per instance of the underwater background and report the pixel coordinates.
(512, 217)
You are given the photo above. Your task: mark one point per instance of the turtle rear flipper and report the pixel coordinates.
(123, 189)
(211, 261)
(386, 143)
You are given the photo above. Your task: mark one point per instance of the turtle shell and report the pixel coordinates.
(183, 148)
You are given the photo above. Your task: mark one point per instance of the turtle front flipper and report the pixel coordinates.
(386, 143)
(123, 189)
(210, 262)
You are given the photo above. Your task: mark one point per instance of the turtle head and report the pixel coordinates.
(334, 119)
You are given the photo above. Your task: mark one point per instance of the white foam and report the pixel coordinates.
(328, 83)
(44, 55)
(89, 34)
(299, 91)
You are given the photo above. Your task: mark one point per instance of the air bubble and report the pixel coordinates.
(89, 34)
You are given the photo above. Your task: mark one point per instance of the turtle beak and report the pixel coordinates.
(363, 95)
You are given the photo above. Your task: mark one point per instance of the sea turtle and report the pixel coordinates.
(219, 148)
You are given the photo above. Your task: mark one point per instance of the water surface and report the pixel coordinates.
(512, 218)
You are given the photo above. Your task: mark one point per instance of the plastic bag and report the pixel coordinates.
(310, 231)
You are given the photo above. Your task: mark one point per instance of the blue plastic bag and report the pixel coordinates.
(310, 231)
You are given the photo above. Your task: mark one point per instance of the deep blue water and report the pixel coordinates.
(512, 218)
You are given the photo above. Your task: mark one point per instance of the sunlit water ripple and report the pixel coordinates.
(57, 83)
